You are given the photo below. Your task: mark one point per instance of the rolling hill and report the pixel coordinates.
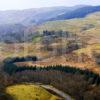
(32, 16)
(78, 13)
(16, 24)
(40, 15)
(87, 27)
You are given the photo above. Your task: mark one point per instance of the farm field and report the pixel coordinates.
(30, 92)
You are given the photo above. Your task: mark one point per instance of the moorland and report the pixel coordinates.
(58, 46)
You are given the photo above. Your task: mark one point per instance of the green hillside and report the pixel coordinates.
(29, 92)
(87, 29)
(73, 25)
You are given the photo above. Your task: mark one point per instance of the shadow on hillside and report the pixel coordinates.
(5, 96)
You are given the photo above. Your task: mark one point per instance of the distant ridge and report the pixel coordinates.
(78, 13)
(36, 15)
(17, 23)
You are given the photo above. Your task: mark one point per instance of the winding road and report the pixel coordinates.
(60, 93)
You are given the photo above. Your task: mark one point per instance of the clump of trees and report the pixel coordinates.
(59, 33)
(64, 81)
(96, 57)
(75, 84)
(20, 59)
(87, 26)
(11, 68)
(72, 42)
(72, 45)
(84, 58)
(4, 81)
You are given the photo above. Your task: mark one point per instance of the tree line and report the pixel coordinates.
(11, 68)
(80, 84)
(20, 59)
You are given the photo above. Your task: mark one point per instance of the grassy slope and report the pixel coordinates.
(73, 25)
(76, 26)
(20, 50)
(91, 34)
(29, 92)
(36, 38)
(88, 50)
